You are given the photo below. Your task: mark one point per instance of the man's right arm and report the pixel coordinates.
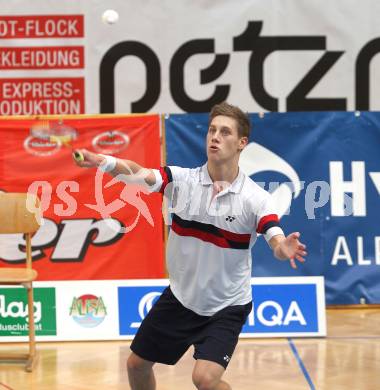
(128, 170)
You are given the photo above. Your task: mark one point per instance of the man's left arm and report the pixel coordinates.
(288, 248)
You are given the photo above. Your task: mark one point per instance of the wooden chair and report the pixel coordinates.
(20, 213)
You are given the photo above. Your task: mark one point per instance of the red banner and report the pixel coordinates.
(94, 226)
(42, 96)
(48, 57)
(41, 26)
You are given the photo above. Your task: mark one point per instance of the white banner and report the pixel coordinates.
(176, 56)
(114, 309)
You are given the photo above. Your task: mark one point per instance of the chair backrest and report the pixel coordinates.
(19, 213)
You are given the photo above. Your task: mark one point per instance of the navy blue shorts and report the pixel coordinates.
(170, 329)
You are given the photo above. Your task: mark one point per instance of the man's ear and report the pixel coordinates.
(243, 142)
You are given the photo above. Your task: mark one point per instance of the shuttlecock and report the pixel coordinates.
(110, 16)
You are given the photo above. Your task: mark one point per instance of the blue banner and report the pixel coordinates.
(284, 308)
(135, 303)
(281, 306)
(323, 171)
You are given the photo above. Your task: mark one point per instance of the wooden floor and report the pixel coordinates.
(349, 358)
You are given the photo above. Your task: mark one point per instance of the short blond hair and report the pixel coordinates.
(242, 119)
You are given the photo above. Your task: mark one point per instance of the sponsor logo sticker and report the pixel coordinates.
(14, 312)
(110, 142)
(88, 310)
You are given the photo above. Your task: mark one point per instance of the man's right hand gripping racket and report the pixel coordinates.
(78, 156)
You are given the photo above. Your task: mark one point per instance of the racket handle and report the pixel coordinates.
(78, 156)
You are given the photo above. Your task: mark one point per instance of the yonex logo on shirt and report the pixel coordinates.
(230, 219)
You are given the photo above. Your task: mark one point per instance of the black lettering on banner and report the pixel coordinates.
(211, 73)
(363, 73)
(107, 76)
(262, 46)
(297, 100)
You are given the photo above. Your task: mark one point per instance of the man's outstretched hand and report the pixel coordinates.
(290, 248)
(88, 159)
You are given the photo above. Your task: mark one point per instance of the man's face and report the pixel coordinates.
(223, 142)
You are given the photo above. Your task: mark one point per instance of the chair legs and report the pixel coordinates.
(32, 359)
(29, 358)
(31, 363)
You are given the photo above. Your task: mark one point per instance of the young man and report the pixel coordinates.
(218, 212)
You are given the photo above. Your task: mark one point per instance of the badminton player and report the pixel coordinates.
(218, 213)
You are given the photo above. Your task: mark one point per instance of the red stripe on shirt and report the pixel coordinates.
(235, 236)
(165, 180)
(264, 220)
(204, 236)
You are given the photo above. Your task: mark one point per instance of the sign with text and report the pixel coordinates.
(14, 312)
(135, 302)
(95, 226)
(41, 96)
(87, 310)
(256, 59)
(114, 309)
(322, 170)
(285, 307)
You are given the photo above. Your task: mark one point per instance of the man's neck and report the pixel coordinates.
(223, 172)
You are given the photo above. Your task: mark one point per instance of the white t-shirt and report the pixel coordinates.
(210, 240)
